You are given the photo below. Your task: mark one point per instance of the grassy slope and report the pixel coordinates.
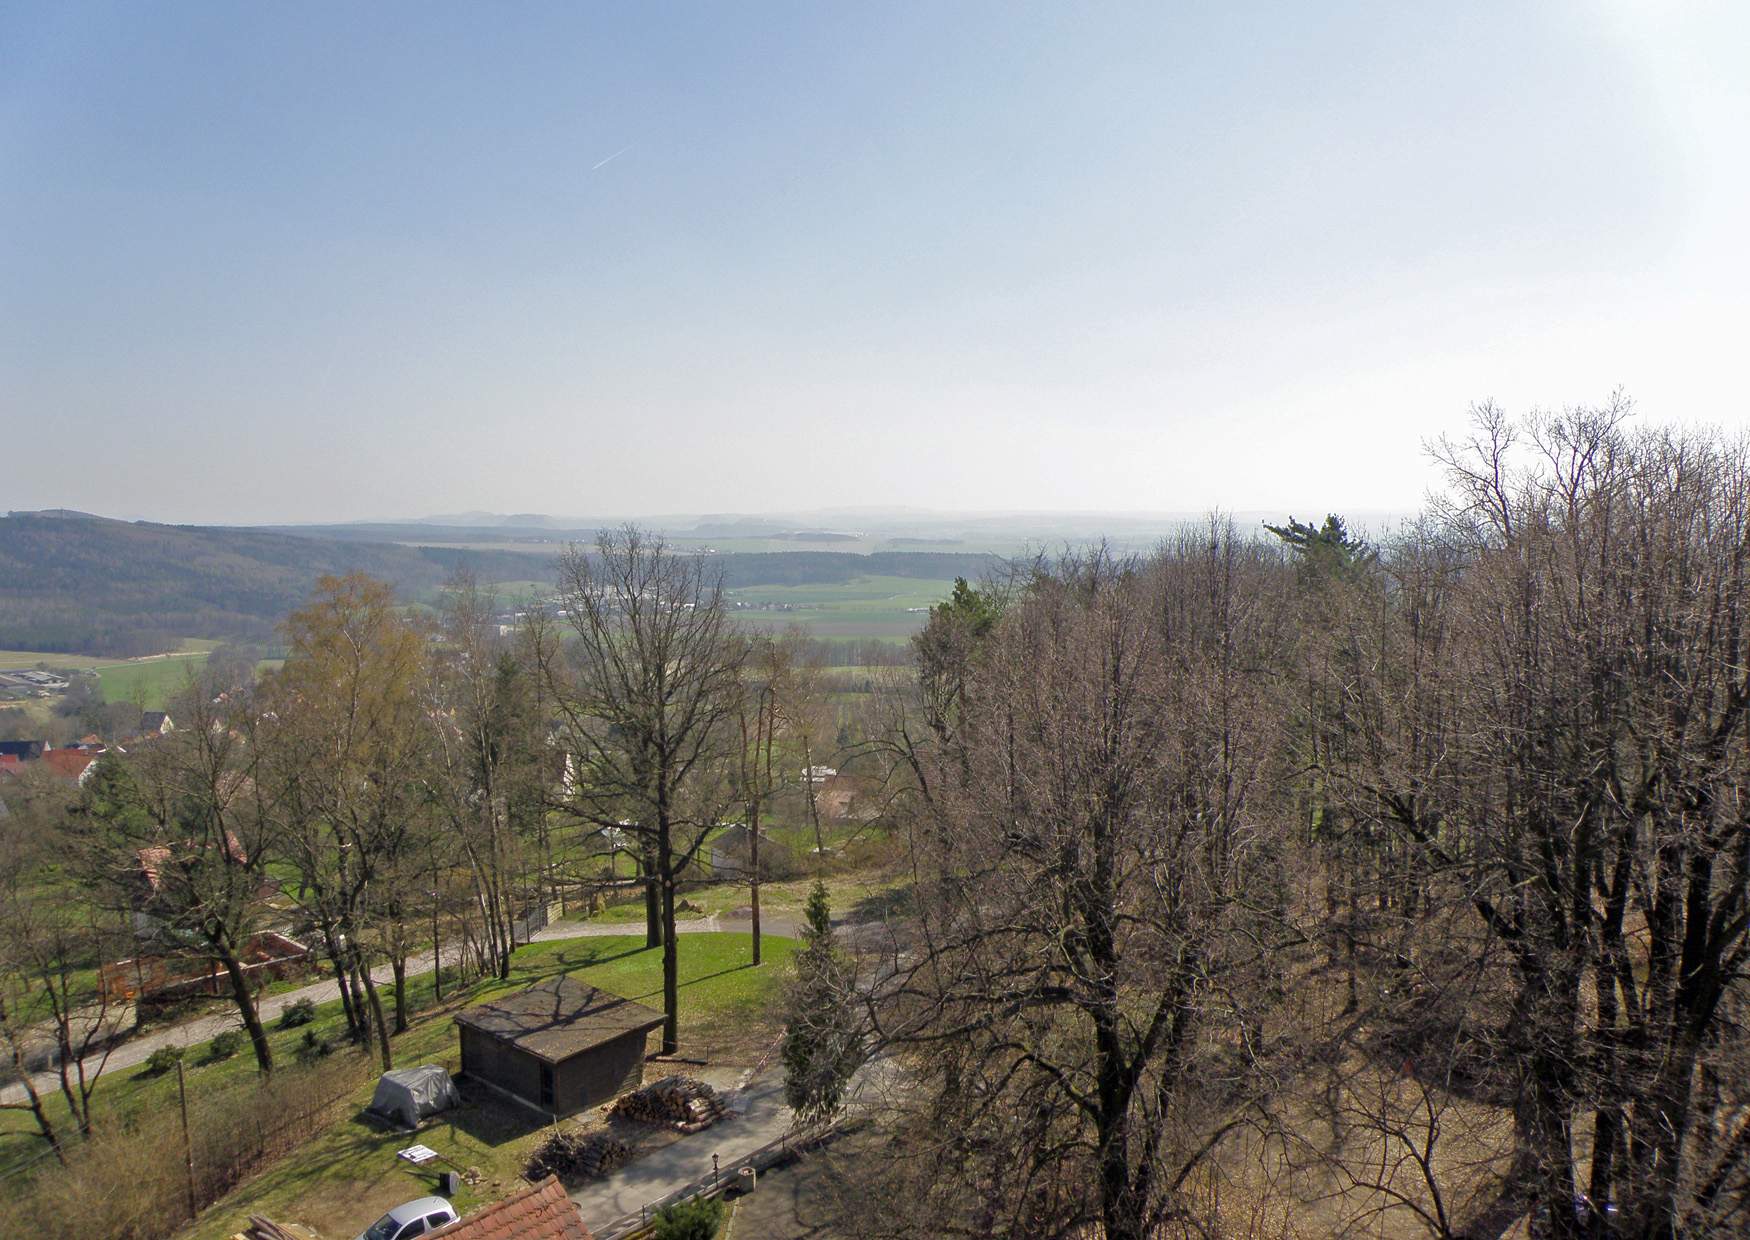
(348, 1175)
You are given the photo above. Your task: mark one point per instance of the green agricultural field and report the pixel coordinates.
(511, 593)
(886, 608)
(14, 660)
(154, 679)
(150, 682)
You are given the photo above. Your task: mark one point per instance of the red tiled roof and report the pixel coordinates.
(154, 858)
(68, 763)
(539, 1212)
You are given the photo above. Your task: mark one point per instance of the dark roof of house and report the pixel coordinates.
(736, 838)
(28, 751)
(539, 1212)
(558, 1018)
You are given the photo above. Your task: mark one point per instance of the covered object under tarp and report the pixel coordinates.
(408, 1095)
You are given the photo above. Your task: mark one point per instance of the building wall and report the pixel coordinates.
(501, 1064)
(599, 1075)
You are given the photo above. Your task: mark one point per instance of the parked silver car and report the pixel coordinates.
(412, 1218)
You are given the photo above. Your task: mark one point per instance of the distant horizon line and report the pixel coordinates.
(796, 518)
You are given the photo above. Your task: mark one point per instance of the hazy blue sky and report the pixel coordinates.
(263, 262)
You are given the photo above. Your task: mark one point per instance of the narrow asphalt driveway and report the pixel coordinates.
(758, 1116)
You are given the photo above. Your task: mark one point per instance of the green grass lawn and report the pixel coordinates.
(342, 1177)
(848, 893)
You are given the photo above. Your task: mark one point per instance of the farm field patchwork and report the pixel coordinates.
(888, 608)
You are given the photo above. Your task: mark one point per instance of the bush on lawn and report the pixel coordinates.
(300, 1013)
(164, 1059)
(689, 1220)
(224, 1046)
(314, 1047)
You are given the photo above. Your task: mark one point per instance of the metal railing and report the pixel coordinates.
(717, 1183)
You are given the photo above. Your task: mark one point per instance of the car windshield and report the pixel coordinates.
(383, 1229)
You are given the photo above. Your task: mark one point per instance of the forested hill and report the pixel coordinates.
(75, 583)
(69, 582)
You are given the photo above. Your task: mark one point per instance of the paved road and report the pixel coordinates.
(203, 1029)
(758, 1117)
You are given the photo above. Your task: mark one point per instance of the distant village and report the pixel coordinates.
(72, 762)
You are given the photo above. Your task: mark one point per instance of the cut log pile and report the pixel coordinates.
(683, 1103)
(576, 1157)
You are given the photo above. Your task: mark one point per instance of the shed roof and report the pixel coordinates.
(558, 1018)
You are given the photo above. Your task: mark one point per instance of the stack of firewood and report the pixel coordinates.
(680, 1102)
(576, 1156)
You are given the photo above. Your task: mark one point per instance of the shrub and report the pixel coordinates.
(224, 1046)
(164, 1059)
(689, 1220)
(313, 1047)
(300, 1013)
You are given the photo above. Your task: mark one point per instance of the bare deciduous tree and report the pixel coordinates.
(647, 692)
(1100, 896)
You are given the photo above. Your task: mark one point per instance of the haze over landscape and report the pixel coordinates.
(335, 263)
(1010, 621)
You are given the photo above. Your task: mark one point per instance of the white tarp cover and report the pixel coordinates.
(408, 1095)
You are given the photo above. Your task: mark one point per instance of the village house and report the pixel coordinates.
(73, 765)
(731, 854)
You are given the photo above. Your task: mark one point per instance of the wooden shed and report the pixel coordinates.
(559, 1046)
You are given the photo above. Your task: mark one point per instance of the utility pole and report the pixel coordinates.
(187, 1141)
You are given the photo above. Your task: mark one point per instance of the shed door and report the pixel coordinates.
(547, 1085)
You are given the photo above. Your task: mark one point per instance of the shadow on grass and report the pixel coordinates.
(694, 981)
(489, 1118)
(883, 905)
(582, 958)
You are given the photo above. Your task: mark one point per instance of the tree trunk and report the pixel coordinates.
(377, 1013)
(399, 964)
(753, 854)
(362, 1033)
(813, 800)
(437, 953)
(671, 1000)
(353, 1024)
(653, 919)
(37, 1111)
(507, 936)
(245, 1004)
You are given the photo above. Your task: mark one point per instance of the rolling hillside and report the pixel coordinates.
(71, 582)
